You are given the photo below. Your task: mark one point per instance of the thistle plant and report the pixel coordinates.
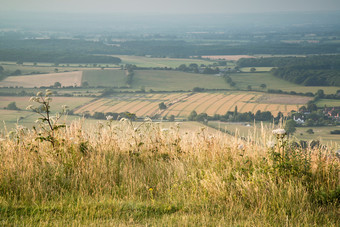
(47, 122)
(278, 151)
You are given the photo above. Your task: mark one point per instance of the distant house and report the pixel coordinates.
(299, 121)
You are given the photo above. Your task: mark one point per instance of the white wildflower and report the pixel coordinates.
(147, 119)
(39, 93)
(164, 130)
(109, 117)
(48, 93)
(123, 119)
(279, 131)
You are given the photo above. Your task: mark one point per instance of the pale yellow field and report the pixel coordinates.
(194, 105)
(30, 81)
(204, 107)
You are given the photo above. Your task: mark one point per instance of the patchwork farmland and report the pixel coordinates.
(182, 104)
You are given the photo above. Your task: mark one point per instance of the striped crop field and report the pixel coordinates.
(182, 104)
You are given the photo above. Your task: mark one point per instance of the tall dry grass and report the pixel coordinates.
(124, 174)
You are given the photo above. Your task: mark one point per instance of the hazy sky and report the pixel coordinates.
(169, 6)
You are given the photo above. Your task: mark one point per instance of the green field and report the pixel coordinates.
(328, 102)
(320, 133)
(258, 69)
(141, 61)
(242, 81)
(106, 77)
(159, 80)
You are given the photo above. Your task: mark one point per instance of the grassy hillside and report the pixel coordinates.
(149, 175)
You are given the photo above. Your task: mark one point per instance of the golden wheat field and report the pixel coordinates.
(181, 104)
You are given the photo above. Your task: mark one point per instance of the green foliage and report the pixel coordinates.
(12, 106)
(310, 131)
(171, 117)
(57, 85)
(290, 126)
(192, 116)
(49, 124)
(335, 132)
(162, 106)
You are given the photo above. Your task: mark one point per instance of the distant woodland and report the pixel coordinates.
(309, 71)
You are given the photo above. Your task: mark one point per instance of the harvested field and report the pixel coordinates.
(182, 104)
(66, 79)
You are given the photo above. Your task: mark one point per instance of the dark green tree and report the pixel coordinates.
(171, 117)
(162, 106)
(290, 126)
(12, 106)
(192, 116)
(57, 84)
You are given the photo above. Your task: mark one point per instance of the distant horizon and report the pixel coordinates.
(169, 7)
(171, 13)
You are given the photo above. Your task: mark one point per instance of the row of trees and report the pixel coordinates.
(235, 116)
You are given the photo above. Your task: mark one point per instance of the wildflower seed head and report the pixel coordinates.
(39, 93)
(109, 117)
(147, 119)
(279, 131)
(123, 119)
